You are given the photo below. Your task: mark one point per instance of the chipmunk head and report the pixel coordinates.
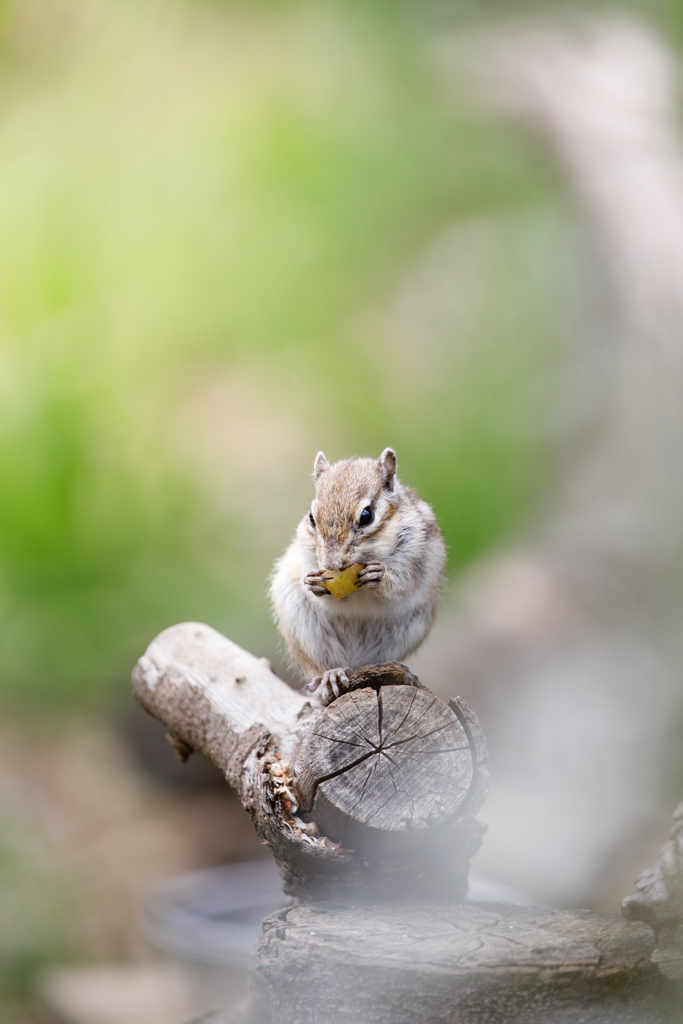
(354, 503)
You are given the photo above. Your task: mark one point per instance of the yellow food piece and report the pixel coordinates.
(342, 582)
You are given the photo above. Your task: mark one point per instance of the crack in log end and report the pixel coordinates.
(379, 717)
(393, 760)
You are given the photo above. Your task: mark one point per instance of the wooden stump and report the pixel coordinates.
(468, 963)
(387, 779)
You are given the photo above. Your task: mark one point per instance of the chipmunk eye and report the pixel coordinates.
(311, 519)
(366, 517)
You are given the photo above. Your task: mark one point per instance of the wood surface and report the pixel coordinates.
(657, 899)
(465, 963)
(381, 762)
(388, 777)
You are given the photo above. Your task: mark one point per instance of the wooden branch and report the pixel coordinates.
(218, 698)
(386, 780)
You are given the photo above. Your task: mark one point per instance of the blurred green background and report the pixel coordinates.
(231, 234)
(208, 214)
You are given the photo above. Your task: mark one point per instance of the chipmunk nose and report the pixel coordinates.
(334, 563)
(331, 558)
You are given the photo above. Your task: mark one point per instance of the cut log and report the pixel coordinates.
(387, 779)
(377, 764)
(469, 963)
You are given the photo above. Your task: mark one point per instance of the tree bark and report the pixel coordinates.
(374, 794)
(470, 963)
(657, 899)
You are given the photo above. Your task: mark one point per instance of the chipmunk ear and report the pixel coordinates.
(387, 467)
(320, 465)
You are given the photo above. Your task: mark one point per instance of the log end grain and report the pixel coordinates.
(383, 768)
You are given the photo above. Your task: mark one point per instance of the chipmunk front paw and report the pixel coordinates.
(372, 575)
(331, 685)
(314, 582)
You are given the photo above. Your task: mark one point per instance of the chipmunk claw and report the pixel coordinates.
(314, 582)
(372, 575)
(331, 685)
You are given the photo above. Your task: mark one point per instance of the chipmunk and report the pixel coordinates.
(361, 513)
